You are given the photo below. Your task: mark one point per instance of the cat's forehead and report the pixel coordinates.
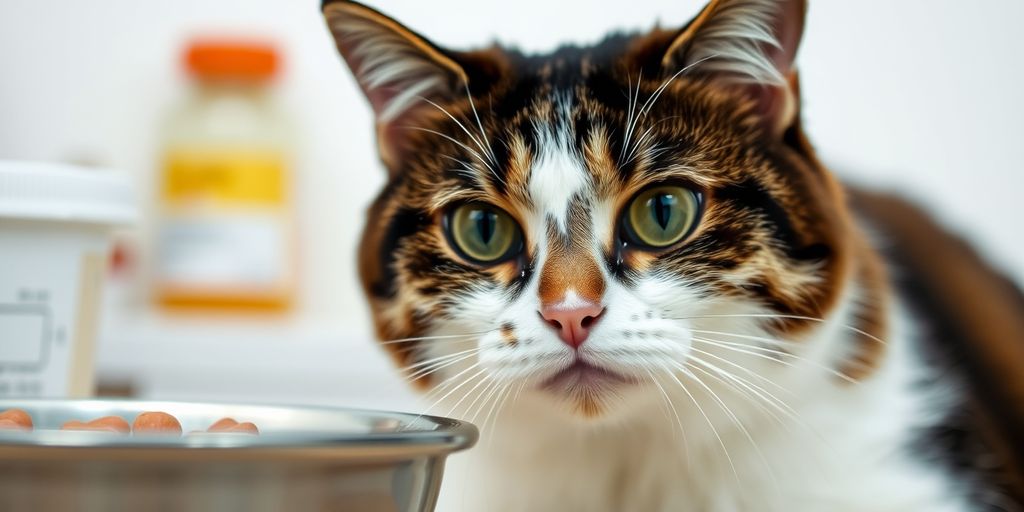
(558, 174)
(552, 136)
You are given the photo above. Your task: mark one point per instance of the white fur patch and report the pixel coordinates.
(571, 300)
(558, 174)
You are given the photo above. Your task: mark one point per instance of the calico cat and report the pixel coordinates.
(626, 264)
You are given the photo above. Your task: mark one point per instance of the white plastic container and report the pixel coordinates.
(55, 222)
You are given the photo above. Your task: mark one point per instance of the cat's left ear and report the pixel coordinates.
(748, 44)
(401, 72)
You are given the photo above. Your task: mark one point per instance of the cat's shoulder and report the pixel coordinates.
(970, 323)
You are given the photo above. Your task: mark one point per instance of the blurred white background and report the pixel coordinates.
(922, 96)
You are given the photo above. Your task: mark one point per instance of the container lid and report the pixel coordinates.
(231, 59)
(61, 192)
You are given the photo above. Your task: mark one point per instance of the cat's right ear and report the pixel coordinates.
(749, 45)
(396, 68)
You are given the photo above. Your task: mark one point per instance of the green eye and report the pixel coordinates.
(661, 216)
(483, 233)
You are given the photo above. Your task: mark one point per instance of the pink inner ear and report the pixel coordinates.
(776, 105)
(788, 29)
(379, 95)
(394, 66)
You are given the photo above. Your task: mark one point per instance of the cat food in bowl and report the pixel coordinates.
(149, 422)
(230, 425)
(15, 419)
(303, 458)
(114, 424)
(156, 422)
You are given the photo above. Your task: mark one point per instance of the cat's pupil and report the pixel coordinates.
(661, 209)
(485, 222)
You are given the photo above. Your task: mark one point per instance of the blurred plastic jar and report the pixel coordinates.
(226, 233)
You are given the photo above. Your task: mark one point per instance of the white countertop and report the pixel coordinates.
(248, 359)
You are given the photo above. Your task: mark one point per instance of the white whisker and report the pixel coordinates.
(450, 381)
(736, 421)
(785, 317)
(734, 386)
(460, 144)
(483, 133)
(441, 358)
(675, 412)
(449, 393)
(748, 349)
(657, 92)
(708, 420)
(743, 368)
(632, 114)
(489, 392)
(428, 338)
(486, 379)
(770, 399)
(496, 408)
(472, 137)
(440, 365)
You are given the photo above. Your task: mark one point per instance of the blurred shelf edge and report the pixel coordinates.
(153, 354)
(157, 339)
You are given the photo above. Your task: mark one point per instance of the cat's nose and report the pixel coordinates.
(572, 323)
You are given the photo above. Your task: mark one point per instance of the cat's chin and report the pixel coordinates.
(590, 391)
(583, 376)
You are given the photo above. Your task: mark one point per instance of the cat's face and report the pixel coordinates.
(581, 225)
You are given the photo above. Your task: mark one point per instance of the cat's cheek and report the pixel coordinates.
(481, 309)
(669, 296)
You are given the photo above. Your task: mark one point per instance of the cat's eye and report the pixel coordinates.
(661, 216)
(483, 234)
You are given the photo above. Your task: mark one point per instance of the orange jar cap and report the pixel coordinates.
(226, 59)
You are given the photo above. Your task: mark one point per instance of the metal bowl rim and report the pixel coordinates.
(449, 436)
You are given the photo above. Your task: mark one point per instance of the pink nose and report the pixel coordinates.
(574, 323)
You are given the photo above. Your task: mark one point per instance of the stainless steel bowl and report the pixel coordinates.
(305, 458)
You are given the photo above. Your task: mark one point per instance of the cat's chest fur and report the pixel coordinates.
(844, 448)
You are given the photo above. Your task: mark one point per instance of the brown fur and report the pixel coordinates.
(569, 266)
(981, 316)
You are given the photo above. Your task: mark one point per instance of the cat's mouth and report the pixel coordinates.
(581, 374)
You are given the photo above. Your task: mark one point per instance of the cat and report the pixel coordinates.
(627, 266)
